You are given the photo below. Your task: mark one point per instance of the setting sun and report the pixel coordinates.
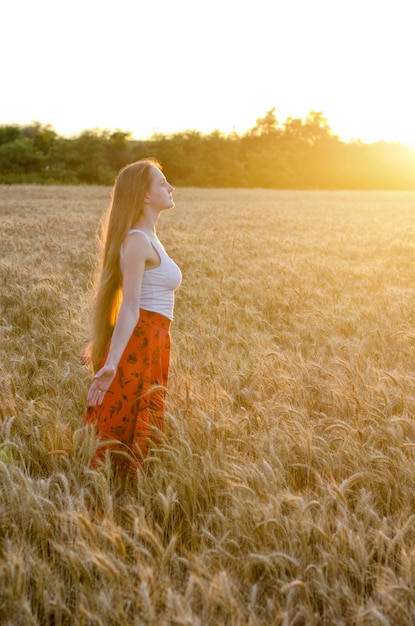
(264, 474)
(185, 66)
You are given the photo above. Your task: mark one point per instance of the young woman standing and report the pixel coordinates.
(130, 346)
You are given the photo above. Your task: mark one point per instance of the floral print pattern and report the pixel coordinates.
(132, 411)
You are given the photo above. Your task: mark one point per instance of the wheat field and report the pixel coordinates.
(284, 491)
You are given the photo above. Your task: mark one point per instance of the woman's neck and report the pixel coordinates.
(147, 223)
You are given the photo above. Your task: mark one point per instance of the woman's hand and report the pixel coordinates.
(101, 383)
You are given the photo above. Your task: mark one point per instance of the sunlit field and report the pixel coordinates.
(284, 492)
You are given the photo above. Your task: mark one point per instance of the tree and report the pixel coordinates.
(266, 125)
(8, 134)
(80, 159)
(316, 128)
(20, 156)
(42, 136)
(116, 149)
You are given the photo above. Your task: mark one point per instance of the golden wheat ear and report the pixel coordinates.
(283, 491)
(85, 357)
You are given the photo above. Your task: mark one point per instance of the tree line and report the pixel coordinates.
(298, 154)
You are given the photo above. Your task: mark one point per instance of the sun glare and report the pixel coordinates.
(318, 56)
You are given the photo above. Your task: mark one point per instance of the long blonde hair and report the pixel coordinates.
(125, 209)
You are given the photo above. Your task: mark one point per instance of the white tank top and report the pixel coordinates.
(160, 283)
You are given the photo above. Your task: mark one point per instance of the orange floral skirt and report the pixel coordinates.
(132, 411)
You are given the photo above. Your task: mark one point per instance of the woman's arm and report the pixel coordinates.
(136, 251)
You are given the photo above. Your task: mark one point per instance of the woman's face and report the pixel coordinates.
(159, 195)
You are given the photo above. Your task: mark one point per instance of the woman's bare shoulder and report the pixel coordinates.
(137, 244)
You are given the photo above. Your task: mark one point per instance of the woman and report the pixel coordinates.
(130, 346)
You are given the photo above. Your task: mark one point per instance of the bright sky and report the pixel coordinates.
(172, 65)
